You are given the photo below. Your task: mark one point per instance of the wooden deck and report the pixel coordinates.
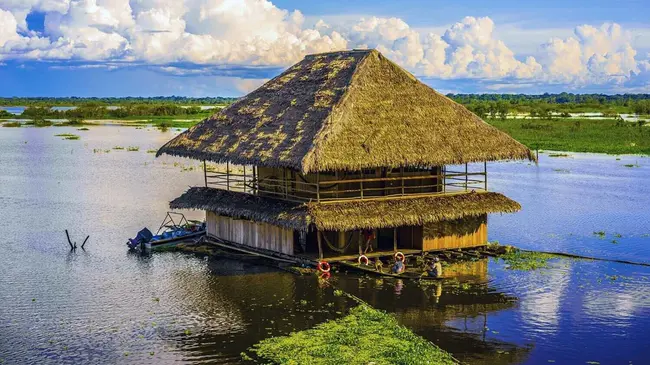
(354, 257)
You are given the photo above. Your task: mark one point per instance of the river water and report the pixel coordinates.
(103, 305)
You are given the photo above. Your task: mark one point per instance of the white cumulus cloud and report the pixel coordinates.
(250, 33)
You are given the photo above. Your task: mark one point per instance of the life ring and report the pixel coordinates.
(363, 258)
(325, 275)
(399, 256)
(323, 266)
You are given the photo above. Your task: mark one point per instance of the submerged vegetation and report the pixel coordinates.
(365, 336)
(68, 136)
(579, 135)
(526, 260)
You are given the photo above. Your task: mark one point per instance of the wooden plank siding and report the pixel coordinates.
(462, 233)
(254, 234)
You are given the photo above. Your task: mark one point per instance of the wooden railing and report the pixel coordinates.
(300, 189)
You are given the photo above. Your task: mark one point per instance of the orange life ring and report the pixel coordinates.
(398, 255)
(364, 258)
(323, 266)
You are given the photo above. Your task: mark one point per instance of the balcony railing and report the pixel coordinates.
(317, 187)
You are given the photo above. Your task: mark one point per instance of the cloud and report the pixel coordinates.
(193, 37)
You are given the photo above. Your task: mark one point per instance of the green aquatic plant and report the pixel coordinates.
(152, 151)
(83, 129)
(632, 165)
(11, 124)
(133, 148)
(118, 148)
(68, 136)
(526, 260)
(559, 155)
(600, 234)
(365, 336)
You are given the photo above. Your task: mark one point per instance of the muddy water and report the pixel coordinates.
(103, 305)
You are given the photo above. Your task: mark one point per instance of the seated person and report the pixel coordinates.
(434, 269)
(398, 267)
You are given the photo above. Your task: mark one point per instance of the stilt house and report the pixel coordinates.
(339, 145)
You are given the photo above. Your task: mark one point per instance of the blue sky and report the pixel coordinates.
(229, 47)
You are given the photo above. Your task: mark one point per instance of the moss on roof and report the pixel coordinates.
(345, 111)
(345, 216)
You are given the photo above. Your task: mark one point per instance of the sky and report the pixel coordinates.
(230, 47)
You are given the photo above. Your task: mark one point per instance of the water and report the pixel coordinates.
(104, 305)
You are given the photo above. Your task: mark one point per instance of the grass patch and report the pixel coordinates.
(40, 123)
(68, 136)
(579, 135)
(11, 124)
(365, 336)
(133, 148)
(525, 260)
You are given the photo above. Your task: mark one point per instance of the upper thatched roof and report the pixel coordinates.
(345, 111)
(345, 216)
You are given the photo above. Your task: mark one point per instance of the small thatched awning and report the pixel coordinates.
(345, 111)
(345, 216)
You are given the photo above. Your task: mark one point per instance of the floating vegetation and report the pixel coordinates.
(83, 129)
(11, 124)
(68, 136)
(559, 155)
(600, 234)
(40, 123)
(526, 260)
(152, 151)
(566, 171)
(632, 165)
(365, 336)
(99, 150)
(118, 148)
(133, 148)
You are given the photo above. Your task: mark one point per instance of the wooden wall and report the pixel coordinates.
(467, 232)
(249, 233)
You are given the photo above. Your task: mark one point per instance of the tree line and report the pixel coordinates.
(96, 101)
(125, 111)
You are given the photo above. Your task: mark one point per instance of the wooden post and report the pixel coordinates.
(320, 246)
(255, 184)
(359, 239)
(318, 188)
(485, 175)
(205, 173)
(466, 181)
(394, 239)
(244, 178)
(341, 240)
(444, 179)
(228, 175)
(361, 183)
(401, 172)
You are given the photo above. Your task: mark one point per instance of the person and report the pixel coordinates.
(379, 266)
(435, 268)
(369, 235)
(398, 267)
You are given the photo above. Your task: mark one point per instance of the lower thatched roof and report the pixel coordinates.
(345, 216)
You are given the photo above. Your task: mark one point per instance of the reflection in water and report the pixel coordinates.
(103, 305)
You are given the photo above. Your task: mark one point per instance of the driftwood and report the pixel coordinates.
(74, 246)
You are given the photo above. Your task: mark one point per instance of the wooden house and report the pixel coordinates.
(344, 148)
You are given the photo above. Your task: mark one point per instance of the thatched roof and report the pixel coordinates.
(345, 216)
(345, 111)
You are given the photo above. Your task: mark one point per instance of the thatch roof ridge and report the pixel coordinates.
(345, 216)
(345, 111)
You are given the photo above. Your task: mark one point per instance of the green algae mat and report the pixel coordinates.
(365, 336)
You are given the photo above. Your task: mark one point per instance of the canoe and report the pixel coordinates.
(370, 270)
